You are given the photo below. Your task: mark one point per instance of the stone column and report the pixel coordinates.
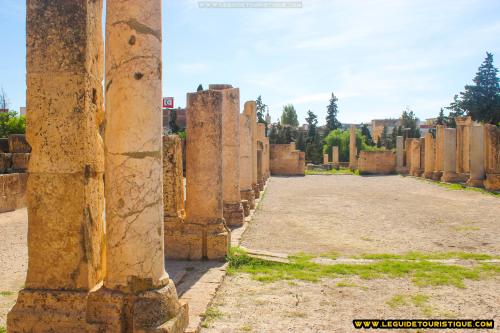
(463, 138)
(449, 155)
(173, 198)
(429, 156)
(325, 159)
(400, 155)
(261, 134)
(335, 157)
(233, 209)
(65, 184)
(134, 174)
(246, 159)
(438, 153)
(353, 151)
(206, 228)
(266, 159)
(415, 169)
(250, 110)
(492, 157)
(476, 156)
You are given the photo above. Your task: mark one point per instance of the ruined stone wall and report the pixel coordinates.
(377, 162)
(492, 157)
(285, 160)
(12, 191)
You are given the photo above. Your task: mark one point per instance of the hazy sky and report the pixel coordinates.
(376, 56)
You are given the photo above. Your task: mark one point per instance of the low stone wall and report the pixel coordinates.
(285, 160)
(12, 191)
(377, 162)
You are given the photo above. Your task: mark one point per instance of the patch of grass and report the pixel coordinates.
(397, 301)
(343, 284)
(455, 187)
(341, 171)
(465, 228)
(330, 255)
(422, 272)
(3, 329)
(209, 316)
(246, 328)
(6, 293)
(414, 255)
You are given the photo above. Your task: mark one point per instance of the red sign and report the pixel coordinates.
(168, 102)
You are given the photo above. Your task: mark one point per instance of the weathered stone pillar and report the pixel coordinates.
(266, 158)
(335, 157)
(415, 169)
(429, 156)
(325, 159)
(65, 190)
(206, 227)
(134, 174)
(438, 153)
(400, 155)
(233, 209)
(492, 157)
(174, 212)
(463, 143)
(476, 156)
(261, 135)
(250, 110)
(246, 159)
(353, 151)
(449, 155)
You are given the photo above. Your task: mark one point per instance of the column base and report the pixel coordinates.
(256, 190)
(450, 177)
(416, 172)
(475, 182)
(192, 240)
(234, 214)
(336, 166)
(246, 207)
(428, 175)
(463, 177)
(492, 182)
(98, 311)
(436, 175)
(261, 185)
(248, 195)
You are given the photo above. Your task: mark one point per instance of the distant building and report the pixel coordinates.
(4, 110)
(22, 111)
(378, 125)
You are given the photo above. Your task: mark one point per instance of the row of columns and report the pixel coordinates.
(466, 154)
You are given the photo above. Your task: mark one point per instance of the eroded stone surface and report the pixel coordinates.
(438, 150)
(353, 151)
(429, 156)
(492, 157)
(476, 162)
(246, 159)
(449, 156)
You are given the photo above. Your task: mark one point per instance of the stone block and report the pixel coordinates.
(377, 162)
(18, 144)
(20, 162)
(4, 145)
(5, 162)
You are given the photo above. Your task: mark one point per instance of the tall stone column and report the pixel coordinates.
(476, 157)
(65, 185)
(134, 191)
(415, 169)
(325, 159)
(335, 157)
(261, 135)
(353, 151)
(233, 209)
(449, 155)
(206, 227)
(246, 159)
(492, 157)
(438, 150)
(174, 212)
(266, 158)
(400, 155)
(250, 110)
(429, 156)
(463, 137)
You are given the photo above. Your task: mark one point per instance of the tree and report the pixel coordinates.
(200, 87)
(301, 142)
(289, 116)
(393, 139)
(481, 100)
(409, 120)
(10, 123)
(4, 101)
(366, 133)
(341, 139)
(173, 121)
(332, 122)
(384, 137)
(261, 109)
(279, 134)
(440, 120)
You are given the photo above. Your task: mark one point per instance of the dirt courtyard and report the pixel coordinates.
(351, 216)
(343, 217)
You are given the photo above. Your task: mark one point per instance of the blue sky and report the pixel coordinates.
(376, 56)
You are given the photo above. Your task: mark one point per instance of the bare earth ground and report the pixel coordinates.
(349, 215)
(353, 215)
